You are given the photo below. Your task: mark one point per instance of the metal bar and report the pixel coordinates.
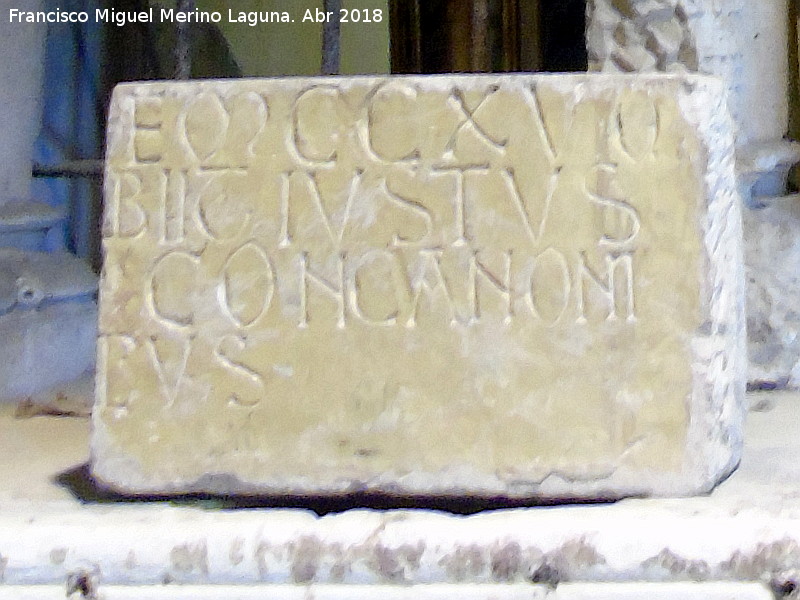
(331, 30)
(88, 169)
(406, 37)
(794, 70)
(530, 36)
(510, 42)
(416, 33)
(73, 149)
(183, 46)
(480, 53)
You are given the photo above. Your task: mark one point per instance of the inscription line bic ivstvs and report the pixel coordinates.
(352, 209)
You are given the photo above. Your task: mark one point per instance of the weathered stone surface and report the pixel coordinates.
(520, 285)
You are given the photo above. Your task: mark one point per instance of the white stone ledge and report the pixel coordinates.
(594, 591)
(748, 530)
(624, 542)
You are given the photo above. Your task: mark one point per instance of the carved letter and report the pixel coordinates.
(221, 132)
(148, 143)
(381, 281)
(536, 232)
(285, 234)
(170, 377)
(205, 125)
(336, 235)
(173, 199)
(249, 387)
(431, 265)
(248, 118)
(125, 217)
(220, 215)
(548, 143)
(412, 208)
(459, 200)
(619, 300)
(169, 289)
(637, 125)
(334, 291)
(548, 292)
(114, 354)
(503, 286)
(247, 286)
(323, 154)
(620, 218)
(467, 116)
(400, 108)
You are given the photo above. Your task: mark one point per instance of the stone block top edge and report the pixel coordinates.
(697, 79)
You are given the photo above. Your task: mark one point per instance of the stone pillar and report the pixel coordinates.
(23, 223)
(47, 306)
(762, 36)
(746, 43)
(21, 69)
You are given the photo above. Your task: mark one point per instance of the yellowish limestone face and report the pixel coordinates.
(518, 285)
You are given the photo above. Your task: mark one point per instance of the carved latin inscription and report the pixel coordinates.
(361, 267)
(316, 225)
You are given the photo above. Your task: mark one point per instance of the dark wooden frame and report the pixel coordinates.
(430, 36)
(444, 36)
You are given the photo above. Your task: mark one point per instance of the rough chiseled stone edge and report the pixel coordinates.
(715, 438)
(110, 466)
(713, 442)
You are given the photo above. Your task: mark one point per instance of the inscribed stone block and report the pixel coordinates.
(510, 285)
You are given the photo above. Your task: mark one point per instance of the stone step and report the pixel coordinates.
(786, 200)
(29, 225)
